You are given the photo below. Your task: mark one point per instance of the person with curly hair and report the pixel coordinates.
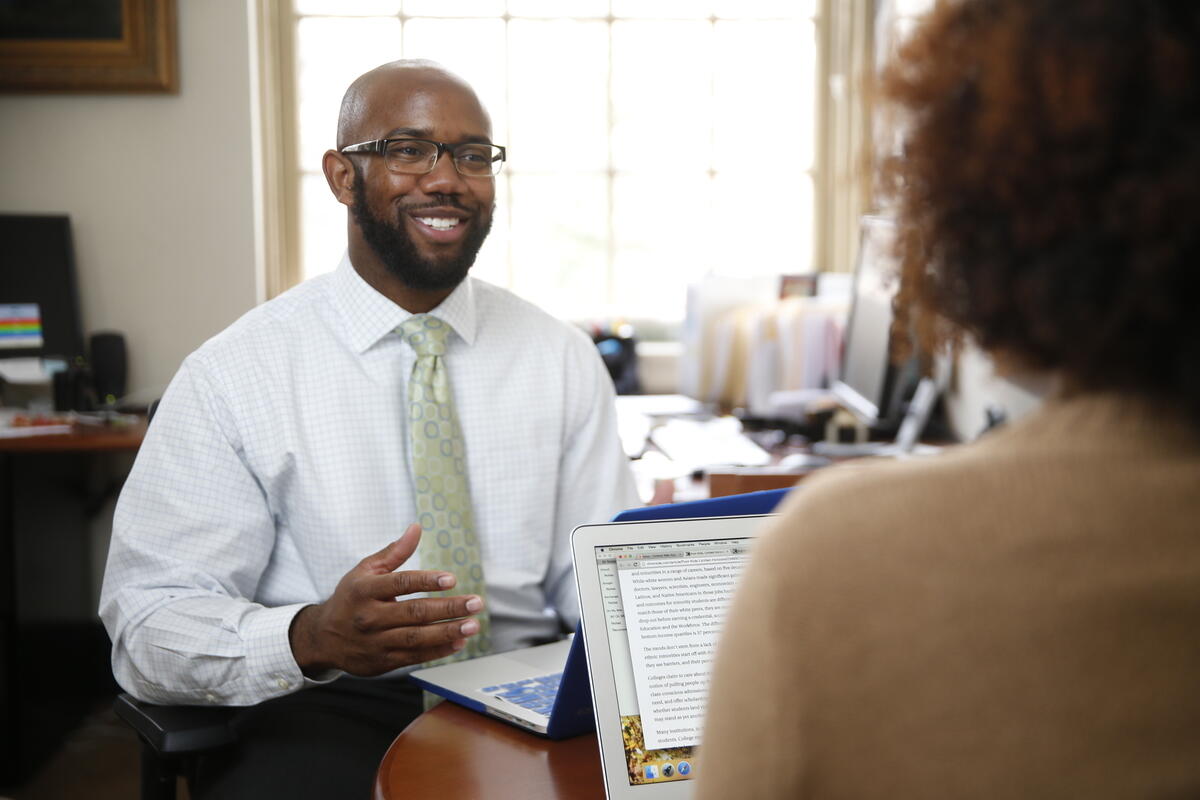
(1018, 616)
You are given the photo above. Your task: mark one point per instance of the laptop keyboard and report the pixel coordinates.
(536, 694)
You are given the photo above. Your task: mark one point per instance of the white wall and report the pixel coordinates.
(159, 191)
(976, 387)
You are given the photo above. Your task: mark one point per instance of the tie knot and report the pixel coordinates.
(426, 334)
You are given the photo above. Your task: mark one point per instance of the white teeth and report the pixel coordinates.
(439, 223)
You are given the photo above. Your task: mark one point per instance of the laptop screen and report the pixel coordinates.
(664, 603)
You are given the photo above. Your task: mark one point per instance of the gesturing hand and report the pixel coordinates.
(365, 629)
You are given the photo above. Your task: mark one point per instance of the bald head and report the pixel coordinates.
(369, 90)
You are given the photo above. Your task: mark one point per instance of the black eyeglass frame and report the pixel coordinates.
(379, 147)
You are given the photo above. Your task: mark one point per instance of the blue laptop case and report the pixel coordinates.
(734, 505)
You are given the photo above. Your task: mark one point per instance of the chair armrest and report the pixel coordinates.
(173, 730)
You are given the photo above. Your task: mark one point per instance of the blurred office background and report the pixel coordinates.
(675, 166)
(654, 144)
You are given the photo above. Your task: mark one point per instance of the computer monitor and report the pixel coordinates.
(867, 385)
(39, 301)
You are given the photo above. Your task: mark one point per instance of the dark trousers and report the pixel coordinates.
(322, 743)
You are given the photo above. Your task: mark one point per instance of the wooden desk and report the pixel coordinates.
(723, 484)
(450, 751)
(53, 659)
(81, 439)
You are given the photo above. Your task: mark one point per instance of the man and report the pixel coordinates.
(308, 434)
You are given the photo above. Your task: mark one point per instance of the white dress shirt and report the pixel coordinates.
(279, 458)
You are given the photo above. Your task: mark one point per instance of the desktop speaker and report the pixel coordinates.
(109, 366)
(73, 388)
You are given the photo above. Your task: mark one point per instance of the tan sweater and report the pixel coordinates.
(1018, 617)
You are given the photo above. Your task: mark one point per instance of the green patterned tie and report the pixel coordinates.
(443, 498)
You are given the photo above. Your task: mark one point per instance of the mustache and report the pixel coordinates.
(439, 201)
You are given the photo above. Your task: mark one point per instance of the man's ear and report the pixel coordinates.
(339, 174)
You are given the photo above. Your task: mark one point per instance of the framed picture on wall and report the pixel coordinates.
(88, 46)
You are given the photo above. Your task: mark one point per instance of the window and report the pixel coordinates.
(650, 142)
(894, 22)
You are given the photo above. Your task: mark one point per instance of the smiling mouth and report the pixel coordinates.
(439, 223)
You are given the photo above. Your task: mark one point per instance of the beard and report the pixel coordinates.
(395, 248)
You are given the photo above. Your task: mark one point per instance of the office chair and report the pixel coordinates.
(619, 353)
(172, 736)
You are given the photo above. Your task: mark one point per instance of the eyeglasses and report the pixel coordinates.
(419, 156)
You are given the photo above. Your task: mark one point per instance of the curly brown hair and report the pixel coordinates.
(1048, 188)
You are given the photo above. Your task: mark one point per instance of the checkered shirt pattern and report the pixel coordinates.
(280, 457)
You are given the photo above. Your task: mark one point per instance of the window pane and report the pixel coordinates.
(664, 234)
(331, 53)
(912, 8)
(472, 49)
(690, 95)
(559, 241)
(766, 223)
(661, 8)
(492, 262)
(455, 8)
(772, 9)
(902, 29)
(323, 226)
(348, 7)
(662, 105)
(756, 117)
(558, 8)
(559, 115)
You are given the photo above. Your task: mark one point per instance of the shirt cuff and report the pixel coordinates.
(272, 667)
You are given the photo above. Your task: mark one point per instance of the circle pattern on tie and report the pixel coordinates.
(443, 503)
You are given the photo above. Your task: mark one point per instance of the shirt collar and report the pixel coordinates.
(370, 316)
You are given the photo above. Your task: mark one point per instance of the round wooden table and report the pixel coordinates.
(451, 751)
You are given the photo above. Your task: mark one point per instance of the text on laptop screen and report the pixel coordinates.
(664, 605)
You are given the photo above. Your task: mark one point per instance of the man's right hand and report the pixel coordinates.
(366, 629)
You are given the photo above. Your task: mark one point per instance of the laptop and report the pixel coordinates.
(653, 596)
(542, 689)
(545, 689)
